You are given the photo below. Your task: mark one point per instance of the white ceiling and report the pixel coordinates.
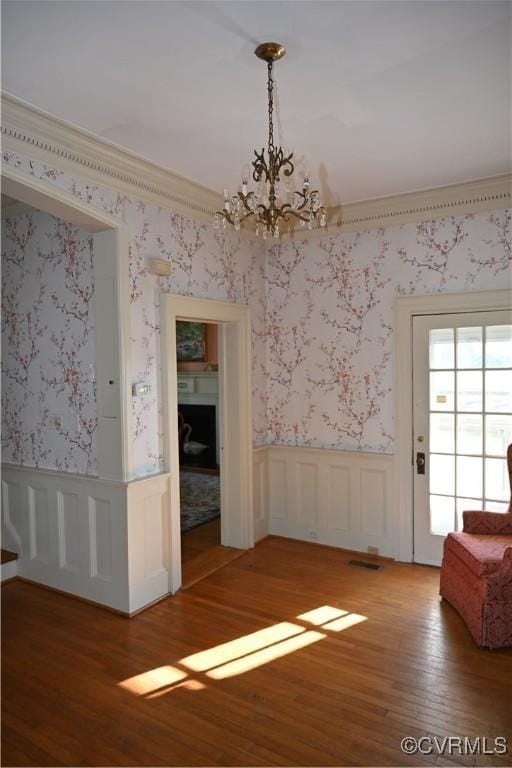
(381, 97)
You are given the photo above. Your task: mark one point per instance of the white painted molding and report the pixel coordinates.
(112, 314)
(66, 147)
(338, 498)
(452, 200)
(260, 491)
(8, 571)
(52, 141)
(236, 468)
(405, 308)
(101, 540)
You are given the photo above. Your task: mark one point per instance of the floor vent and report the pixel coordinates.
(364, 564)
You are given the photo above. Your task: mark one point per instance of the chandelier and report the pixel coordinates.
(273, 200)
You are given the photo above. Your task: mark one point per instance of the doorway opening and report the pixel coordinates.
(197, 362)
(206, 367)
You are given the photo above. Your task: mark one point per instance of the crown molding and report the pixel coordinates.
(48, 139)
(52, 141)
(452, 200)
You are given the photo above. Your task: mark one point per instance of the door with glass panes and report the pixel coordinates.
(462, 401)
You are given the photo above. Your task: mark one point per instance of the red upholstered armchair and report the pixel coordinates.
(476, 573)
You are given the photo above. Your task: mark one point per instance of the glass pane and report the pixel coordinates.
(442, 432)
(496, 480)
(442, 474)
(496, 506)
(441, 391)
(469, 433)
(498, 391)
(469, 348)
(498, 346)
(469, 390)
(469, 476)
(466, 504)
(498, 434)
(441, 348)
(442, 515)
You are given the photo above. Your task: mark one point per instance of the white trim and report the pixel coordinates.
(102, 540)
(405, 308)
(338, 498)
(112, 242)
(453, 200)
(30, 131)
(235, 418)
(8, 570)
(46, 138)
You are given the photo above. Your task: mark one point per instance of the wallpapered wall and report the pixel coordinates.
(48, 344)
(322, 314)
(206, 264)
(329, 324)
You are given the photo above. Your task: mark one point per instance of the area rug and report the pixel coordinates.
(199, 499)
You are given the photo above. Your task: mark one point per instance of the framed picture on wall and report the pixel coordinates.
(190, 342)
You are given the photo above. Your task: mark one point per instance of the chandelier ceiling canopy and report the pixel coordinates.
(274, 199)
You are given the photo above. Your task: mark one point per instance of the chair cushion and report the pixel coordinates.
(482, 553)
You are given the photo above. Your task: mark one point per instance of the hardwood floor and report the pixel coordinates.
(243, 669)
(196, 541)
(202, 553)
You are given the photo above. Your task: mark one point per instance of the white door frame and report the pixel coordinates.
(405, 308)
(112, 311)
(237, 522)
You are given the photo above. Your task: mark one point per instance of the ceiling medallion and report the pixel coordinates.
(274, 200)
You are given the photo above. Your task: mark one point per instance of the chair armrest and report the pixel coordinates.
(487, 522)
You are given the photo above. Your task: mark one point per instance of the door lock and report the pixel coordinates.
(420, 463)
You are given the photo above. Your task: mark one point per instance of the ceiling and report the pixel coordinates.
(380, 97)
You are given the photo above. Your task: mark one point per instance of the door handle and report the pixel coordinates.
(420, 463)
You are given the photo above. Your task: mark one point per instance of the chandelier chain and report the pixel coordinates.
(274, 201)
(270, 89)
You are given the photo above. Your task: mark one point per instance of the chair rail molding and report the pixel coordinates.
(406, 307)
(48, 139)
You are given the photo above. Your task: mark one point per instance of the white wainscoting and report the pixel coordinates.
(260, 492)
(97, 539)
(340, 498)
(148, 540)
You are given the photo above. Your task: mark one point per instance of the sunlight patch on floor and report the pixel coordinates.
(220, 654)
(243, 654)
(155, 678)
(266, 655)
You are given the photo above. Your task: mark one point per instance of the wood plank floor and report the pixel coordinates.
(203, 554)
(243, 669)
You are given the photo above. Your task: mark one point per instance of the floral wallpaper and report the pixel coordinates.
(329, 321)
(205, 263)
(322, 314)
(48, 346)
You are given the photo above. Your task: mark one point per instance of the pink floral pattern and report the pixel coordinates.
(329, 321)
(48, 347)
(322, 315)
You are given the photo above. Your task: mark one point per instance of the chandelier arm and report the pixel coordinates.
(269, 167)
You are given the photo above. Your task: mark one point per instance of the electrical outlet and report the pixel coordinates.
(313, 534)
(373, 550)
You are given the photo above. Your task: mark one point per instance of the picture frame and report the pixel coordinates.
(190, 342)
